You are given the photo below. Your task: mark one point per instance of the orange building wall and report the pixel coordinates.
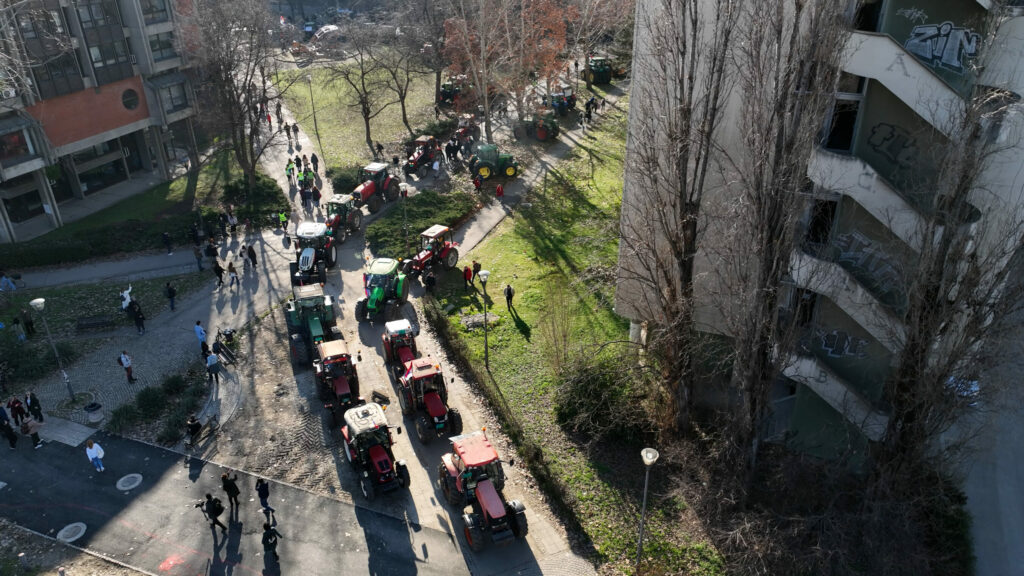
(88, 112)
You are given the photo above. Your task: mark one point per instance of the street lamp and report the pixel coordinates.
(312, 103)
(39, 304)
(649, 456)
(484, 274)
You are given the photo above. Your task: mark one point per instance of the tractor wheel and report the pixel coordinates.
(361, 312)
(367, 486)
(403, 291)
(391, 194)
(392, 311)
(451, 492)
(293, 273)
(403, 474)
(341, 234)
(422, 171)
(454, 422)
(357, 221)
(473, 532)
(407, 268)
(348, 456)
(405, 401)
(336, 333)
(374, 204)
(299, 350)
(519, 132)
(511, 170)
(485, 171)
(451, 258)
(331, 255)
(517, 518)
(554, 132)
(423, 430)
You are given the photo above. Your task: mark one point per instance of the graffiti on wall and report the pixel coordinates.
(871, 265)
(893, 142)
(914, 14)
(944, 45)
(840, 344)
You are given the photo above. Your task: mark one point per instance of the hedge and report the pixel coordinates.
(386, 236)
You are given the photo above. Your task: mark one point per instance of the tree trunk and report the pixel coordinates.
(366, 127)
(437, 86)
(405, 116)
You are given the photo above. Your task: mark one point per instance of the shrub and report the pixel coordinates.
(597, 397)
(386, 235)
(174, 385)
(174, 425)
(344, 178)
(32, 360)
(151, 402)
(264, 199)
(442, 128)
(123, 417)
(193, 395)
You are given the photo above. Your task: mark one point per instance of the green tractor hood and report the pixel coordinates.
(374, 298)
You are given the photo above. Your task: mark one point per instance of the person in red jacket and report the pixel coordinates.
(467, 277)
(499, 193)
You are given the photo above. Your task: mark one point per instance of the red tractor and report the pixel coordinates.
(421, 385)
(424, 151)
(378, 186)
(471, 474)
(436, 247)
(468, 129)
(368, 444)
(336, 378)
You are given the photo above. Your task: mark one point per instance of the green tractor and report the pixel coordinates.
(311, 320)
(487, 162)
(386, 290)
(599, 70)
(538, 125)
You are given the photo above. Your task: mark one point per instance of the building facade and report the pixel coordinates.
(908, 70)
(103, 96)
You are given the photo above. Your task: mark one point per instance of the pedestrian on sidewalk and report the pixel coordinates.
(283, 221)
(510, 292)
(305, 163)
(252, 255)
(295, 130)
(200, 332)
(467, 277)
(213, 368)
(289, 171)
(167, 243)
(213, 508)
(476, 270)
(300, 177)
(245, 258)
(429, 281)
(17, 410)
(28, 323)
(199, 256)
(306, 197)
(315, 194)
(6, 430)
(270, 121)
(32, 403)
(170, 292)
(126, 362)
(316, 163)
(194, 233)
(270, 538)
(263, 491)
(206, 350)
(218, 271)
(94, 452)
(138, 317)
(437, 112)
(232, 275)
(478, 182)
(277, 111)
(30, 427)
(499, 193)
(230, 486)
(380, 150)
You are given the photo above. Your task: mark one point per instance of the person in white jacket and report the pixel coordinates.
(95, 453)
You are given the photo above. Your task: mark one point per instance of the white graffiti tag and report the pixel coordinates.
(913, 14)
(944, 45)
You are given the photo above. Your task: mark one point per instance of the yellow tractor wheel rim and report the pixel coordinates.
(485, 172)
(510, 171)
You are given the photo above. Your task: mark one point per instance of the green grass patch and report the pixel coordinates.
(387, 235)
(560, 255)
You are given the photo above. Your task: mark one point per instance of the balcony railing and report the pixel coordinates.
(874, 268)
(834, 390)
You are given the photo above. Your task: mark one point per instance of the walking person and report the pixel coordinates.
(380, 150)
(126, 362)
(499, 193)
(167, 243)
(263, 491)
(245, 258)
(252, 255)
(510, 292)
(478, 183)
(30, 427)
(28, 323)
(230, 486)
(305, 162)
(315, 162)
(270, 538)
(289, 171)
(218, 271)
(315, 193)
(138, 317)
(17, 410)
(95, 454)
(213, 368)
(476, 270)
(213, 508)
(232, 275)
(200, 332)
(199, 256)
(6, 430)
(32, 403)
(467, 277)
(295, 130)
(170, 292)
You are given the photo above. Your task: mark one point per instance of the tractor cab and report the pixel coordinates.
(368, 443)
(311, 235)
(313, 245)
(424, 377)
(600, 69)
(422, 152)
(476, 460)
(336, 373)
(452, 88)
(468, 128)
(399, 342)
(435, 238)
(564, 100)
(376, 172)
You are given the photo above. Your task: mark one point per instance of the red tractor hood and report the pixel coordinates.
(423, 256)
(489, 500)
(341, 387)
(435, 407)
(379, 459)
(405, 357)
(365, 189)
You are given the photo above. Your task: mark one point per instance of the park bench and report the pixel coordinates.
(101, 322)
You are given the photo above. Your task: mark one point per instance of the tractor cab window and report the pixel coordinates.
(374, 280)
(307, 242)
(338, 367)
(429, 384)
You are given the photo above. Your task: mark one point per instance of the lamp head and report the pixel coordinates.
(484, 275)
(649, 456)
(38, 304)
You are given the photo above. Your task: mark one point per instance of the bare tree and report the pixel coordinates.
(474, 46)
(23, 17)
(423, 22)
(364, 78)
(399, 63)
(598, 23)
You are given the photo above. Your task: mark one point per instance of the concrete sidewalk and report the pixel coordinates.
(154, 527)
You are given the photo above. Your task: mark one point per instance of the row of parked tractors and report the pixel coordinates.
(470, 476)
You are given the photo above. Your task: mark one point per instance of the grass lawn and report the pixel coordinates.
(65, 305)
(386, 236)
(561, 252)
(341, 126)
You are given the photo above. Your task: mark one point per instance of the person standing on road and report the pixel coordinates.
(230, 486)
(252, 255)
(478, 182)
(263, 491)
(32, 403)
(95, 454)
(126, 362)
(467, 277)
(232, 275)
(270, 538)
(199, 256)
(315, 162)
(6, 430)
(499, 193)
(170, 292)
(218, 271)
(200, 332)
(213, 508)
(138, 317)
(30, 427)
(17, 410)
(476, 270)
(213, 368)
(510, 292)
(167, 243)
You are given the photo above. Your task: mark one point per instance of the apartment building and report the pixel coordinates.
(907, 68)
(103, 96)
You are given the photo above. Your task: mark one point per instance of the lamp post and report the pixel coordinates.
(484, 274)
(649, 456)
(39, 304)
(312, 103)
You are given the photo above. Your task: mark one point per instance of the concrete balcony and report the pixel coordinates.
(855, 178)
(833, 390)
(21, 167)
(838, 285)
(878, 56)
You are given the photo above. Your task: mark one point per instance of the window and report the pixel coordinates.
(108, 54)
(174, 98)
(154, 11)
(98, 14)
(58, 76)
(14, 145)
(28, 30)
(162, 46)
(56, 22)
(130, 99)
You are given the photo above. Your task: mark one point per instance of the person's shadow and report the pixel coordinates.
(521, 324)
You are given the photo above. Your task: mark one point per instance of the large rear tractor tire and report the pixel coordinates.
(484, 170)
(361, 312)
(407, 267)
(454, 422)
(517, 518)
(299, 350)
(391, 194)
(331, 255)
(473, 532)
(357, 221)
(368, 488)
(511, 171)
(403, 474)
(424, 430)
(293, 273)
(451, 258)
(374, 204)
(403, 291)
(451, 492)
(405, 401)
